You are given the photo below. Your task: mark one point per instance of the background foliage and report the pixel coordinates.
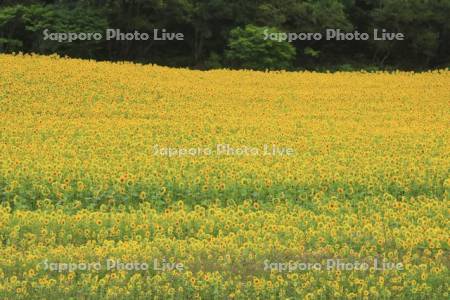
(209, 25)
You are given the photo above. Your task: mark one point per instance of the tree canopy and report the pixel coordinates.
(221, 33)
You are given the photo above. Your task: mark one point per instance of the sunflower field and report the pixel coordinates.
(127, 181)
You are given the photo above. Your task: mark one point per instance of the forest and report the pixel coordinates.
(229, 34)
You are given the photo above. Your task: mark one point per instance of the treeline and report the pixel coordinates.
(229, 33)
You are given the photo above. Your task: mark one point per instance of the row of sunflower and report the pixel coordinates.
(282, 251)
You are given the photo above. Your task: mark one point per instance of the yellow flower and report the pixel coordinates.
(96, 165)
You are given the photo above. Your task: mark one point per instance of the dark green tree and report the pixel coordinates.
(250, 48)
